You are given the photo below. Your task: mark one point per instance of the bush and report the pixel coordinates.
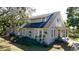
(27, 41)
(75, 35)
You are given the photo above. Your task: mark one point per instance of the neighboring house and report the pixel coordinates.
(44, 28)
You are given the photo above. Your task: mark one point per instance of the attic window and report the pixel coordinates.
(57, 20)
(43, 19)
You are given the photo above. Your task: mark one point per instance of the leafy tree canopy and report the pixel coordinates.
(73, 16)
(10, 17)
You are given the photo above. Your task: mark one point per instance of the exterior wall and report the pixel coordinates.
(50, 21)
(49, 39)
(53, 34)
(32, 33)
(57, 21)
(40, 34)
(55, 24)
(44, 35)
(47, 35)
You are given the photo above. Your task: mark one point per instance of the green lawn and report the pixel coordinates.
(76, 39)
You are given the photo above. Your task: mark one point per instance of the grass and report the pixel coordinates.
(76, 39)
(28, 44)
(74, 36)
(31, 47)
(4, 45)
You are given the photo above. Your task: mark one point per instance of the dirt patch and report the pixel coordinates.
(6, 46)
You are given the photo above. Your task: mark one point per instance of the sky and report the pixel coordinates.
(43, 6)
(50, 6)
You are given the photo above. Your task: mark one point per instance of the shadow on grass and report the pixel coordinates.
(42, 48)
(32, 45)
(32, 48)
(28, 44)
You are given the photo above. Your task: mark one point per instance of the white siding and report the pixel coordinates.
(52, 33)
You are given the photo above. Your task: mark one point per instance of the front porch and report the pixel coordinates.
(59, 32)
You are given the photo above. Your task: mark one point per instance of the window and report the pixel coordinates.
(44, 19)
(57, 20)
(43, 36)
(40, 37)
(54, 32)
(45, 32)
(51, 33)
(29, 31)
(40, 32)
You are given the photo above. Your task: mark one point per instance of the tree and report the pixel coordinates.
(73, 17)
(11, 17)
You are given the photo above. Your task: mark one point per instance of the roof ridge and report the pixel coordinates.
(39, 16)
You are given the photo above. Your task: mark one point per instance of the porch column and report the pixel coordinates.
(42, 34)
(61, 33)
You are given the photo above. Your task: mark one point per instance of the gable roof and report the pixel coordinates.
(39, 16)
(38, 24)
